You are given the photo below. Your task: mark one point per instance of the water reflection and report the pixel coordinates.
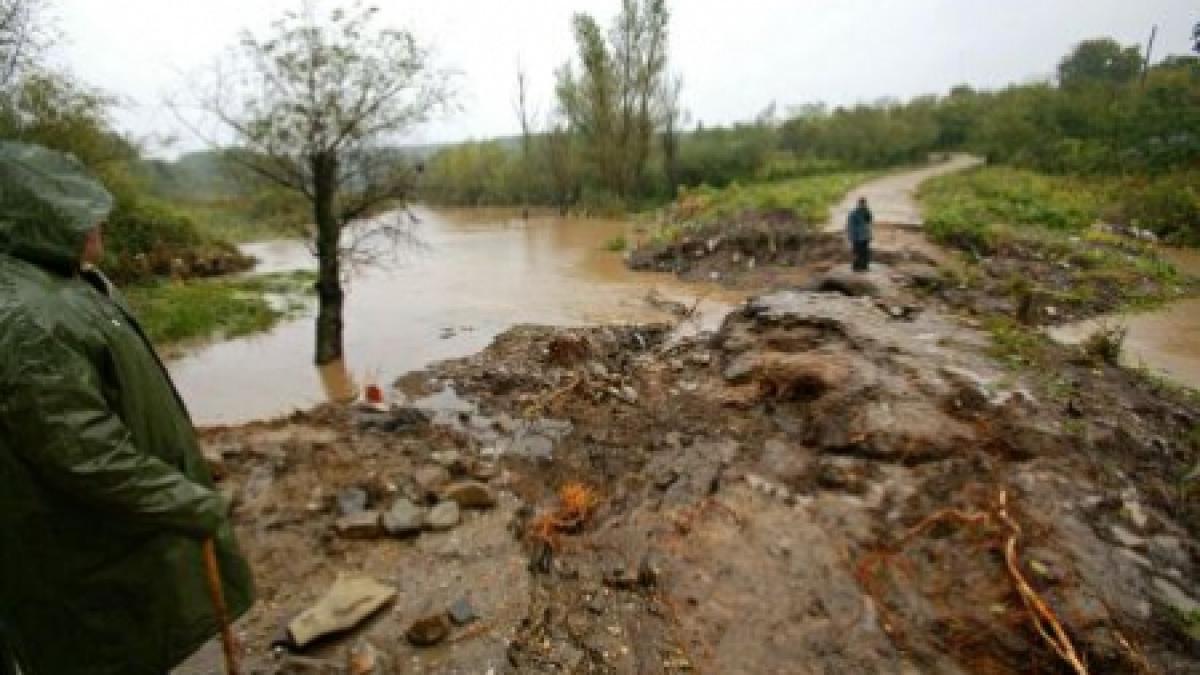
(477, 274)
(337, 383)
(1166, 340)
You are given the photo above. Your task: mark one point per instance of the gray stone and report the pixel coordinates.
(1171, 549)
(1136, 515)
(428, 631)
(462, 612)
(404, 518)
(1175, 597)
(430, 479)
(452, 460)
(352, 500)
(444, 516)
(741, 369)
(1126, 538)
(470, 494)
(361, 525)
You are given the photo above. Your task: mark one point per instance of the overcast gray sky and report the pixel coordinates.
(735, 57)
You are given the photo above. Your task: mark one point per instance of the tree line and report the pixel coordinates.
(1106, 112)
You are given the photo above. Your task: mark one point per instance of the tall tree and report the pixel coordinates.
(1100, 61)
(313, 107)
(672, 118)
(610, 103)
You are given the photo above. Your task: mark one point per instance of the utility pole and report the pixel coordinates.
(1149, 49)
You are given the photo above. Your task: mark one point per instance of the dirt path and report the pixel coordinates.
(893, 197)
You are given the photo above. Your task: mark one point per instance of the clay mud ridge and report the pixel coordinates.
(827, 484)
(758, 250)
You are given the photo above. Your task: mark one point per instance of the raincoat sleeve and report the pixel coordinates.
(61, 424)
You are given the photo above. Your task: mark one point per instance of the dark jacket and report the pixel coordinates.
(858, 224)
(104, 497)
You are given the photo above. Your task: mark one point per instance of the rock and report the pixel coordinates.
(628, 394)
(533, 445)
(451, 460)
(215, 459)
(650, 570)
(741, 369)
(404, 518)
(484, 471)
(841, 474)
(700, 359)
(428, 631)
(350, 600)
(352, 500)
(597, 369)
(430, 480)
(1136, 515)
(1175, 597)
(470, 494)
(1171, 549)
(444, 516)
(362, 525)
(363, 659)
(462, 612)
(666, 479)
(1126, 538)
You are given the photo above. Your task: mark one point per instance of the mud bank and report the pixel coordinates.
(825, 484)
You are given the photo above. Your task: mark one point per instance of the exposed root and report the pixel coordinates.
(576, 504)
(1044, 618)
(539, 407)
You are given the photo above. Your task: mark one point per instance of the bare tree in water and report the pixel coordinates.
(313, 107)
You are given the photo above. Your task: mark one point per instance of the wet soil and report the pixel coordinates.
(837, 478)
(771, 497)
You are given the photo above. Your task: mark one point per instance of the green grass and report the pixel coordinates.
(174, 312)
(617, 244)
(807, 198)
(242, 220)
(974, 208)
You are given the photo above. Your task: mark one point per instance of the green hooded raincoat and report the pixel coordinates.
(104, 497)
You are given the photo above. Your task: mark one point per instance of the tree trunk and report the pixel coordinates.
(330, 295)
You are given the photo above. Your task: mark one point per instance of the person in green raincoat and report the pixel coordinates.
(105, 500)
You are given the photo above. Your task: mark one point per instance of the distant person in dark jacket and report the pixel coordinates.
(858, 229)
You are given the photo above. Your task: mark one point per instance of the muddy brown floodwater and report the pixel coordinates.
(1166, 340)
(477, 273)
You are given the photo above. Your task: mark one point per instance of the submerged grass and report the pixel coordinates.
(174, 312)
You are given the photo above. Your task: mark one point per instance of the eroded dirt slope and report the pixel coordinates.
(815, 488)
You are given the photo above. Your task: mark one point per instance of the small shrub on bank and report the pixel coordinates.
(1105, 345)
(617, 244)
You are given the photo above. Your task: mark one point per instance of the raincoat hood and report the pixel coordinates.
(48, 205)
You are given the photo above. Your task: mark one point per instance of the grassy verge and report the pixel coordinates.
(966, 205)
(1031, 242)
(807, 199)
(243, 220)
(175, 312)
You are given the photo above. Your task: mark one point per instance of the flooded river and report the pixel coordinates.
(476, 274)
(1165, 340)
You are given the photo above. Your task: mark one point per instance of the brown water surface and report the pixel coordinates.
(477, 274)
(1166, 340)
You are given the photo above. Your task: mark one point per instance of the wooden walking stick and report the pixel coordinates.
(218, 601)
